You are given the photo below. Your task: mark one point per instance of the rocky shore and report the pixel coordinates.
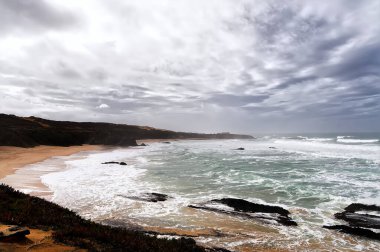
(363, 220)
(68, 230)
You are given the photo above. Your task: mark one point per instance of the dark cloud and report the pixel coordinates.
(358, 62)
(31, 16)
(293, 65)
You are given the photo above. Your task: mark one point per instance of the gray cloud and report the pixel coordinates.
(31, 16)
(279, 66)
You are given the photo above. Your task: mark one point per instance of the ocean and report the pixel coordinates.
(313, 176)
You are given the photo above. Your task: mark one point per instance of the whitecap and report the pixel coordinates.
(344, 140)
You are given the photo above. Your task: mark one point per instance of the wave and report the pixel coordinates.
(312, 139)
(329, 149)
(319, 139)
(342, 137)
(343, 140)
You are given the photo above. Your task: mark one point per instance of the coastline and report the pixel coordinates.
(15, 159)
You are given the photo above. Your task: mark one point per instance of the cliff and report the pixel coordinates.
(34, 131)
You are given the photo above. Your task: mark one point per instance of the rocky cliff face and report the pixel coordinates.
(33, 131)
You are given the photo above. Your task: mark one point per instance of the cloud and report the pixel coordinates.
(31, 16)
(294, 65)
(103, 106)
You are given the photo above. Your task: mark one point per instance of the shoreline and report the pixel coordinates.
(13, 159)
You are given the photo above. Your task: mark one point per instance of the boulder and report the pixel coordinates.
(355, 231)
(246, 209)
(143, 144)
(148, 197)
(114, 162)
(361, 218)
(13, 232)
(241, 148)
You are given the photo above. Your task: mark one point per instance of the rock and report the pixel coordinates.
(355, 207)
(246, 206)
(149, 197)
(216, 249)
(113, 162)
(360, 220)
(166, 142)
(355, 231)
(13, 232)
(358, 223)
(246, 209)
(143, 144)
(271, 147)
(241, 148)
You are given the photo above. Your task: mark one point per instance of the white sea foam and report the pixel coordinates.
(321, 149)
(344, 140)
(341, 137)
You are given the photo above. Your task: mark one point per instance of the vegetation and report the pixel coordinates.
(34, 131)
(21, 209)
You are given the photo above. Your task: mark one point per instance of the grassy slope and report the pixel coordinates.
(69, 228)
(33, 131)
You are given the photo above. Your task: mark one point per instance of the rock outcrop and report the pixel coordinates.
(114, 162)
(362, 220)
(148, 197)
(13, 233)
(246, 209)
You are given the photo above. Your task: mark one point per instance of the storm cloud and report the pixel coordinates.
(218, 65)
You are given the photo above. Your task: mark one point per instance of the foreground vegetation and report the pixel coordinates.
(21, 209)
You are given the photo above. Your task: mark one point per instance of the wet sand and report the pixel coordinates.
(13, 159)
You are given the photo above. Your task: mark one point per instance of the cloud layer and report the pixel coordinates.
(194, 65)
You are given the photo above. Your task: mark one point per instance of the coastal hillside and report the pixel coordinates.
(34, 131)
(69, 229)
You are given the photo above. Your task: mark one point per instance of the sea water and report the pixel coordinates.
(313, 176)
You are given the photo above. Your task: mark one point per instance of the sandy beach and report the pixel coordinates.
(13, 158)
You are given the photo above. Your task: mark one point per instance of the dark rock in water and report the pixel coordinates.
(241, 148)
(364, 220)
(246, 206)
(249, 210)
(113, 162)
(359, 222)
(148, 197)
(271, 147)
(154, 197)
(355, 207)
(143, 144)
(355, 231)
(166, 142)
(13, 232)
(217, 250)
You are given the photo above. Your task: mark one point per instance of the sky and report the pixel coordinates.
(194, 65)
